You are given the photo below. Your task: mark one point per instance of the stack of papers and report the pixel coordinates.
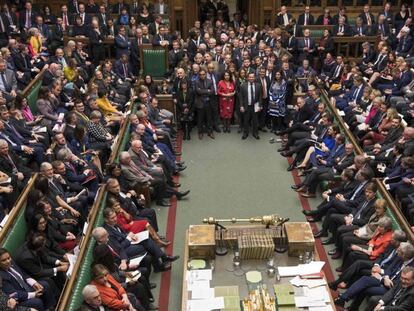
(311, 283)
(205, 304)
(312, 297)
(304, 269)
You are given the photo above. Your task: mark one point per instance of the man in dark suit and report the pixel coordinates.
(204, 89)
(162, 38)
(367, 17)
(96, 39)
(24, 289)
(73, 6)
(283, 17)
(8, 82)
(102, 16)
(306, 18)
(306, 47)
(122, 44)
(405, 42)
(133, 247)
(250, 99)
(27, 17)
(324, 19)
(265, 86)
(92, 300)
(34, 259)
(342, 29)
(176, 55)
(4, 30)
(136, 43)
(123, 69)
(360, 30)
(154, 27)
(381, 27)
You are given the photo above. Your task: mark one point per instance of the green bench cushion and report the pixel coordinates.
(17, 235)
(32, 96)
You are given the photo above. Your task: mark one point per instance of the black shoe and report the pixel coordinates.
(165, 266)
(291, 168)
(280, 133)
(152, 286)
(181, 168)
(282, 149)
(256, 136)
(339, 302)
(333, 285)
(296, 187)
(314, 219)
(287, 154)
(181, 195)
(310, 213)
(328, 241)
(163, 203)
(170, 258)
(320, 234)
(244, 136)
(332, 251)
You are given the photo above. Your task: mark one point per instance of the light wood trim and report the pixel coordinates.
(29, 87)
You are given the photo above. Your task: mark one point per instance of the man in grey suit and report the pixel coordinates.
(160, 7)
(204, 90)
(8, 82)
(250, 98)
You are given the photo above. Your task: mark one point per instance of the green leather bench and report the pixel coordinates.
(33, 95)
(17, 235)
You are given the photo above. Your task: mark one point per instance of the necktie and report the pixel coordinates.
(336, 73)
(368, 19)
(125, 70)
(397, 296)
(2, 28)
(15, 132)
(264, 88)
(341, 28)
(306, 19)
(15, 170)
(139, 41)
(251, 94)
(307, 42)
(6, 85)
(113, 252)
(19, 280)
(358, 214)
(357, 190)
(389, 258)
(103, 19)
(28, 22)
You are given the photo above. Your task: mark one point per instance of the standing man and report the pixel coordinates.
(204, 90)
(250, 105)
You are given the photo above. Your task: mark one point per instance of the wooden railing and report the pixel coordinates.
(32, 83)
(402, 221)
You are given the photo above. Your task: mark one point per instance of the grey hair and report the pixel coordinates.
(89, 291)
(98, 232)
(399, 236)
(44, 166)
(407, 250)
(386, 223)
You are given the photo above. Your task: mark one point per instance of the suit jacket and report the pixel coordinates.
(132, 178)
(301, 19)
(204, 90)
(384, 30)
(244, 95)
(335, 19)
(119, 70)
(404, 46)
(405, 302)
(267, 83)
(362, 30)
(156, 41)
(122, 46)
(22, 62)
(6, 24)
(157, 8)
(347, 30)
(22, 18)
(11, 80)
(11, 285)
(117, 238)
(365, 214)
(343, 162)
(280, 20)
(39, 265)
(301, 43)
(174, 58)
(364, 18)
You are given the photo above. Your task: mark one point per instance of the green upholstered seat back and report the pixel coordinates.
(84, 275)
(154, 63)
(316, 33)
(17, 235)
(33, 94)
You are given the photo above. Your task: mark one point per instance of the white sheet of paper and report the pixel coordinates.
(72, 260)
(3, 222)
(256, 107)
(197, 275)
(136, 261)
(197, 284)
(202, 293)
(197, 305)
(310, 268)
(142, 236)
(303, 302)
(85, 228)
(341, 112)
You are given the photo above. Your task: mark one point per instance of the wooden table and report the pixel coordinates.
(222, 277)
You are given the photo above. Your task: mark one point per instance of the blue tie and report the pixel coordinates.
(389, 258)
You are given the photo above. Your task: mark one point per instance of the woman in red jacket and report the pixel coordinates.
(112, 293)
(374, 247)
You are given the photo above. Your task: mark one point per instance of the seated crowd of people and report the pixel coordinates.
(222, 72)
